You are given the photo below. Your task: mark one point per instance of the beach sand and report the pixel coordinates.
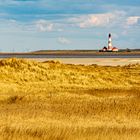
(89, 61)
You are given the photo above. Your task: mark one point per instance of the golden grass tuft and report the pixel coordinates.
(51, 100)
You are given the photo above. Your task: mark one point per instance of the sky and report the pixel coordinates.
(30, 25)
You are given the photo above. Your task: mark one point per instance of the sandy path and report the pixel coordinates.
(99, 61)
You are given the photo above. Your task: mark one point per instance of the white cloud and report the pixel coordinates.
(133, 20)
(47, 26)
(44, 26)
(95, 20)
(63, 40)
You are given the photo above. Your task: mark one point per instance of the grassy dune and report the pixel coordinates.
(52, 101)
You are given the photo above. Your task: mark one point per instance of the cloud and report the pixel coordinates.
(63, 40)
(97, 20)
(133, 20)
(44, 26)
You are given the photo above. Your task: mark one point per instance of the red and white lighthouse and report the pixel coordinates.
(110, 47)
(109, 43)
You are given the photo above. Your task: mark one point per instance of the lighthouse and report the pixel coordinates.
(110, 47)
(109, 43)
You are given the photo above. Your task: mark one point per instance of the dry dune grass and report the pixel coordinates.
(52, 101)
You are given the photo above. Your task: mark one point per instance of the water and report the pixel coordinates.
(69, 56)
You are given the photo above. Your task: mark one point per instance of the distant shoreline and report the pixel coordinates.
(74, 52)
(75, 56)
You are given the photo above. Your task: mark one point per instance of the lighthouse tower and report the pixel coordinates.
(109, 43)
(110, 48)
